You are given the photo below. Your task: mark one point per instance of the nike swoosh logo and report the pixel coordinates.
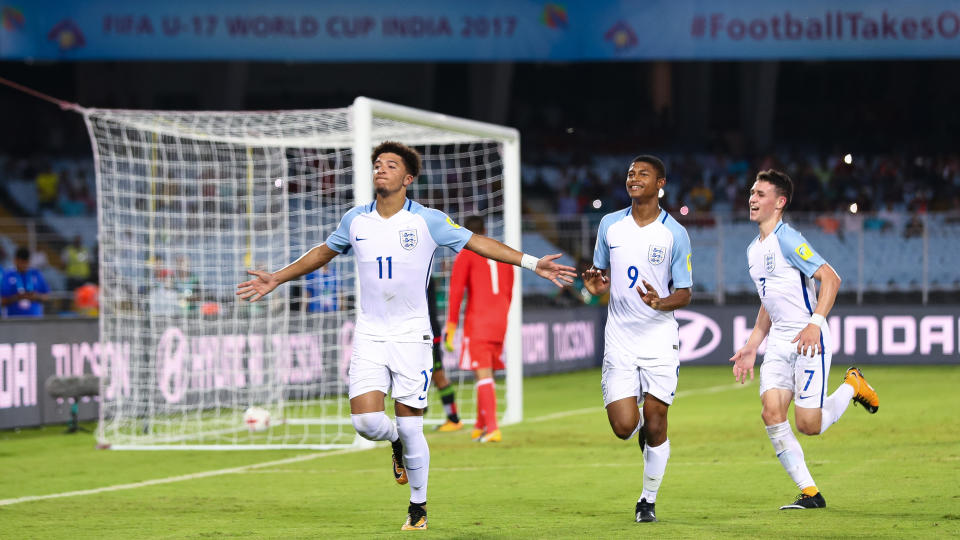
(614, 247)
(421, 398)
(749, 267)
(803, 397)
(357, 239)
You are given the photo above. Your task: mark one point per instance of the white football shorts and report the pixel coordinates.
(402, 370)
(806, 377)
(625, 375)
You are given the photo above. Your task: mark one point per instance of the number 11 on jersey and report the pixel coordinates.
(389, 266)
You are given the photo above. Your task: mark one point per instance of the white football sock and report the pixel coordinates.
(790, 454)
(375, 426)
(654, 464)
(416, 456)
(835, 405)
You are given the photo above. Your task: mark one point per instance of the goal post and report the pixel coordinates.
(188, 200)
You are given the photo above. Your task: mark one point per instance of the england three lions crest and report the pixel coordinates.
(656, 254)
(769, 262)
(408, 239)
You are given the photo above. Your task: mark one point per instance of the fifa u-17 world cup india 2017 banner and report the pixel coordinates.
(553, 341)
(495, 30)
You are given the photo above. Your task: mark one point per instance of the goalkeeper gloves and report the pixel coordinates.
(448, 336)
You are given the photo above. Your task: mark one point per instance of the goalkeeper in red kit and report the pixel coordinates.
(489, 288)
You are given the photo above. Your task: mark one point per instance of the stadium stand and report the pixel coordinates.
(903, 205)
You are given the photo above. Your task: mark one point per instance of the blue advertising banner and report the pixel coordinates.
(554, 341)
(494, 30)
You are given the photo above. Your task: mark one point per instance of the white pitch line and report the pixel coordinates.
(297, 459)
(169, 480)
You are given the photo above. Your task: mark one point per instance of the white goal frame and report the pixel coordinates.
(363, 134)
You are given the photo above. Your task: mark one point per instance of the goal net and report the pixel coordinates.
(189, 200)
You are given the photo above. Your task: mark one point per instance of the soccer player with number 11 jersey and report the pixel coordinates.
(393, 240)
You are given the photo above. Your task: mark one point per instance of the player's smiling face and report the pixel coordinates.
(763, 201)
(642, 181)
(389, 174)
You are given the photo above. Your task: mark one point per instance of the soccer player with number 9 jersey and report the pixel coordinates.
(642, 257)
(393, 240)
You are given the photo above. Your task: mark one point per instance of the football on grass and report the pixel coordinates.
(256, 419)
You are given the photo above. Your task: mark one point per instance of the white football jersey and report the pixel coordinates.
(782, 267)
(394, 258)
(658, 253)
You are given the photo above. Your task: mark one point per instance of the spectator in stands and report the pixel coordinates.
(914, 228)
(86, 300)
(187, 284)
(889, 217)
(48, 186)
(39, 260)
(164, 301)
(23, 289)
(701, 197)
(75, 199)
(321, 290)
(77, 258)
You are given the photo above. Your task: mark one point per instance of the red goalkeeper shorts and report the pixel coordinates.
(478, 354)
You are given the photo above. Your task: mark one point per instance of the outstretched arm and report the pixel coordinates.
(264, 282)
(744, 359)
(808, 340)
(487, 247)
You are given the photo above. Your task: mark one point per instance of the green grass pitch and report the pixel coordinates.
(559, 474)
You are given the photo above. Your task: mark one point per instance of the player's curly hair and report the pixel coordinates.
(781, 183)
(410, 157)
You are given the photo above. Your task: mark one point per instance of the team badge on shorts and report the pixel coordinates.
(408, 239)
(769, 262)
(656, 254)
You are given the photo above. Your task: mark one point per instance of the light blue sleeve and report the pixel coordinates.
(797, 252)
(681, 270)
(601, 251)
(339, 240)
(444, 231)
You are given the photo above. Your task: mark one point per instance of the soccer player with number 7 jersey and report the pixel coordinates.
(792, 318)
(642, 257)
(393, 240)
